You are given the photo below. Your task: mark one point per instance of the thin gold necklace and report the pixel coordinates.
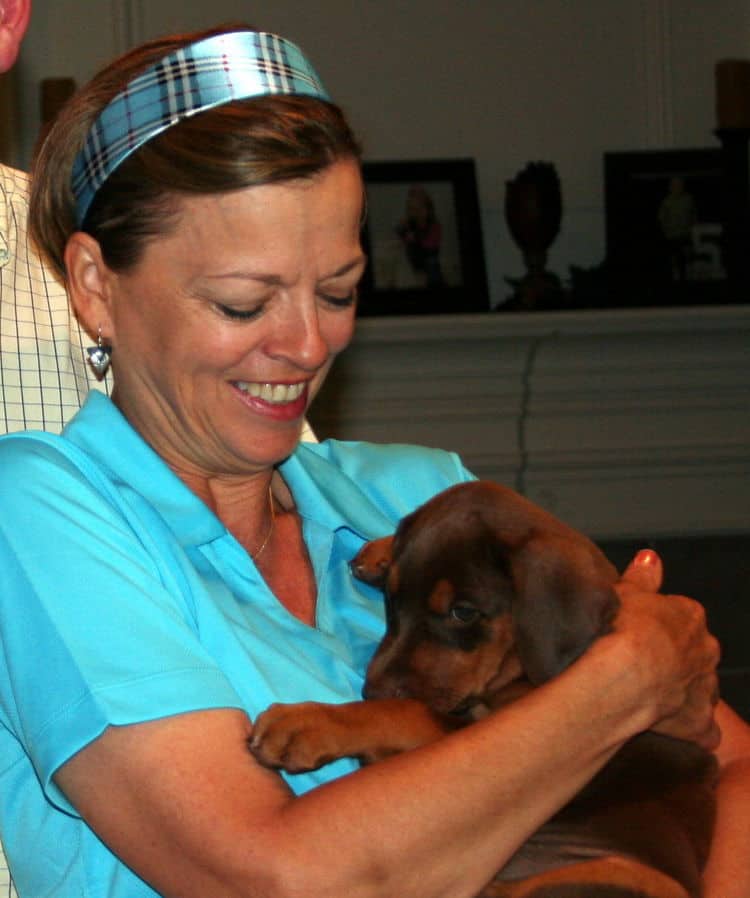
(256, 555)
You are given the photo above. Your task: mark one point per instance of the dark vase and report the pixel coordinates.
(533, 211)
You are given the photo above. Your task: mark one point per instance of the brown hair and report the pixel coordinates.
(240, 144)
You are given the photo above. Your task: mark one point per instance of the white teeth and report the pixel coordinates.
(273, 393)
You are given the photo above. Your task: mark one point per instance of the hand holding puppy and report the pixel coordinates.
(673, 648)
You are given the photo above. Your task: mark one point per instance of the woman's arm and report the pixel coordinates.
(728, 871)
(182, 801)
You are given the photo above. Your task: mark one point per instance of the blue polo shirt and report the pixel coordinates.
(123, 598)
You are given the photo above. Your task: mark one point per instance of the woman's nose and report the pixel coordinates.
(298, 337)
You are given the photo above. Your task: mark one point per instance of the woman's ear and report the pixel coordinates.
(89, 282)
(14, 18)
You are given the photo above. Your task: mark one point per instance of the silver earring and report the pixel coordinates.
(100, 355)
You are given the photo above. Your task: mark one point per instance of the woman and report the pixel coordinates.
(179, 561)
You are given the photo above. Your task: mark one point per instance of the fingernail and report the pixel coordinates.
(645, 557)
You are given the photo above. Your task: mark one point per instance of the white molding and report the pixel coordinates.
(625, 423)
(656, 64)
(127, 23)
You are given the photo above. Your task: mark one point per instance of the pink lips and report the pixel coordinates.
(284, 402)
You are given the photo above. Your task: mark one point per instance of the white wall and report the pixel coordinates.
(503, 81)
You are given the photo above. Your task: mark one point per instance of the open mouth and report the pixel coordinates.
(274, 394)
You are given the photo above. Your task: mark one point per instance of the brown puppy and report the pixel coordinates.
(487, 596)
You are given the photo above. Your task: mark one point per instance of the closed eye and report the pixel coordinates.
(340, 302)
(239, 314)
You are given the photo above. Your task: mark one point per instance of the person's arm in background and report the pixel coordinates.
(727, 873)
(43, 367)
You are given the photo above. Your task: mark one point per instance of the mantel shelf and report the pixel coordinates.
(625, 422)
(492, 325)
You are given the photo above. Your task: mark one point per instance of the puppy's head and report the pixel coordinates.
(481, 588)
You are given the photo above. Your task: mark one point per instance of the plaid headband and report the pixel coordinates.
(206, 74)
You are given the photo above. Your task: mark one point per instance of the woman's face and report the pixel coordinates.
(226, 328)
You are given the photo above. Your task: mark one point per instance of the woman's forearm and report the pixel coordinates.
(180, 800)
(476, 794)
(479, 793)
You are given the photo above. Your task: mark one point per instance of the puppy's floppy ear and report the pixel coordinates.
(373, 561)
(563, 599)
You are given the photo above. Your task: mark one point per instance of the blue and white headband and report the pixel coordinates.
(209, 73)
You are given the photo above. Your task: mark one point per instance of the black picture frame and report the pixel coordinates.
(438, 268)
(664, 232)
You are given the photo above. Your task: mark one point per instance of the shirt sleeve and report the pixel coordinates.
(95, 618)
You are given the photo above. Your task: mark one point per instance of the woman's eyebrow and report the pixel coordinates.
(361, 260)
(241, 275)
(274, 280)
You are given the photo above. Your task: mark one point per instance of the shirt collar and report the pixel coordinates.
(322, 492)
(101, 430)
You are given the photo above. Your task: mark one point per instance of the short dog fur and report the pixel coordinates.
(487, 596)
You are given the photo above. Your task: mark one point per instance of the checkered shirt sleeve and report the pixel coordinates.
(7, 889)
(43, 374)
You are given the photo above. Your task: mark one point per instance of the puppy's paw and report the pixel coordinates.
(295, 738)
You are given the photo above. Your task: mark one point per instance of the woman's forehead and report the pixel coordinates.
(267, 231)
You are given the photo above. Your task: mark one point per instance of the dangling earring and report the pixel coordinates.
(100, 355)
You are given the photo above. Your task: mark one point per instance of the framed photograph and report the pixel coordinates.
(423, 239)
(663, 212)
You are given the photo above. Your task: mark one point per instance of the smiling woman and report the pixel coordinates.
(218, 350)
(202, 197)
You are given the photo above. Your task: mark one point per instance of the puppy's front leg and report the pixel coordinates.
(308, 735)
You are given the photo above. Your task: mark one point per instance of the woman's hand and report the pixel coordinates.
(673, 650)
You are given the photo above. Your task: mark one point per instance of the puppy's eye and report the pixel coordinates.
(463, 614)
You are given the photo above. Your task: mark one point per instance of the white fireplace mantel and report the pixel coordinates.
(626, 423)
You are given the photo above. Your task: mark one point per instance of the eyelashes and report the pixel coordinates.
(341, 302)
(338, 302)
(238, 314)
